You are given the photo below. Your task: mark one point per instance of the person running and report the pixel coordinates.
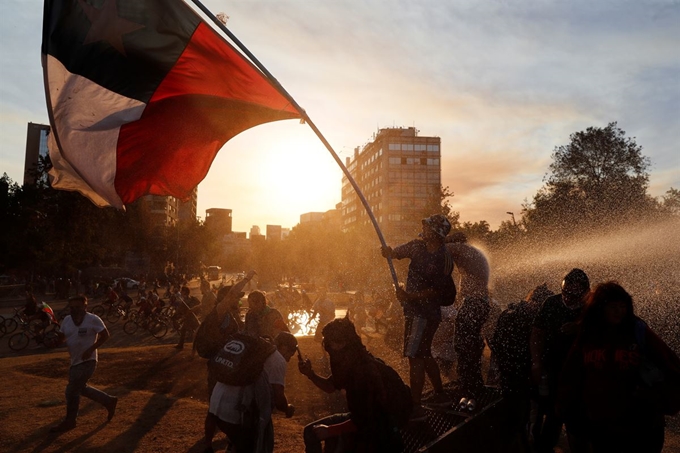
(83, 333)
(552, 336)
(428, 284)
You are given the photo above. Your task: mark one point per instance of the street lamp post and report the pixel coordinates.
(512, 214)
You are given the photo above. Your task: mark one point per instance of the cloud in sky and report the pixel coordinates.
(501, 83)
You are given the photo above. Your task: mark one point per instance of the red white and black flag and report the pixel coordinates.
(142, 94)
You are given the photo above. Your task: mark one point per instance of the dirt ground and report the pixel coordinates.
(162, 399)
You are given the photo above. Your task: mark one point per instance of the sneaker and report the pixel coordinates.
(419, 414)
(440, 399)
(462, 404)
(471, 405)
(111, 408)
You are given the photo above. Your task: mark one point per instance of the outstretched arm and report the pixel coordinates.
(325, 384)
(234, 293)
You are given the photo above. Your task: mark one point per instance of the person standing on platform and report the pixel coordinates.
(428, 283)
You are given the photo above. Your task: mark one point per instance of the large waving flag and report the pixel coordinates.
(142, 94)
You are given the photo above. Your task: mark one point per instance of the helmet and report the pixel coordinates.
(439, 224)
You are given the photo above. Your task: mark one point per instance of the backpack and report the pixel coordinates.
(241, 360)
(400, 402)
(210, 336)
(510, 346)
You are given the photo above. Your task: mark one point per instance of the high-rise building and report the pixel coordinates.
(36, 147)
(398, 172)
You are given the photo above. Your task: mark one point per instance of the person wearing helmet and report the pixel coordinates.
(428, 283)
(552, 335)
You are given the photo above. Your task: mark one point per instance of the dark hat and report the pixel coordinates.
(286, 339)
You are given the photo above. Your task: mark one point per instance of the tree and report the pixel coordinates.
(671, 202)
(599, 178)
(438, 203)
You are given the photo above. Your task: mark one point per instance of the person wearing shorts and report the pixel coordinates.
(428, 274)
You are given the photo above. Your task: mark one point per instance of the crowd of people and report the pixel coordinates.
(581, 361)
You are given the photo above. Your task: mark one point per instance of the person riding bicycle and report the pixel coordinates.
(111, 296)
(40, 311)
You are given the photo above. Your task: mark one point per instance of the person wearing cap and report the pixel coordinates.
(429, 273)
(553, 333)
(473, 312)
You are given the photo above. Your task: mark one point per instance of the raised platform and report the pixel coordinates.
(448, 430)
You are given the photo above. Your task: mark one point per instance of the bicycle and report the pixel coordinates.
(152, 323)
(12, 323)
(111, 312)
(33, 330)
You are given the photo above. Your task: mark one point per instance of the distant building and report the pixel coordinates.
(218, 220)
(331, 218)
(285, 232)
(188, 209)
(255, 231)
(162, 210)
(273, 232)
(311, 217)
(36, 147)
(397, 172)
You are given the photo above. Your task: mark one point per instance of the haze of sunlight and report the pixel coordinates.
(271, 174)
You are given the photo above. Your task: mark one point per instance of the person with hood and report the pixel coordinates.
(378, 401)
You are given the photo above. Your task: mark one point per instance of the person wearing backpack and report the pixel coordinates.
(379, 402)
(242, 400)
(429, 286)
(510, 346)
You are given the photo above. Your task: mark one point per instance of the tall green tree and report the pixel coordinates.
(599, 178)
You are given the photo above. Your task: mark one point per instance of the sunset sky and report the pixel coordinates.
(502, 84)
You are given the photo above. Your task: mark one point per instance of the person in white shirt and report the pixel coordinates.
(83, 333)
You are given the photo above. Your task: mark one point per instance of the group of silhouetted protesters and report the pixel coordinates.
(580, 359)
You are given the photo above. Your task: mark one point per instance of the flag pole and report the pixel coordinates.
(311, 124)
